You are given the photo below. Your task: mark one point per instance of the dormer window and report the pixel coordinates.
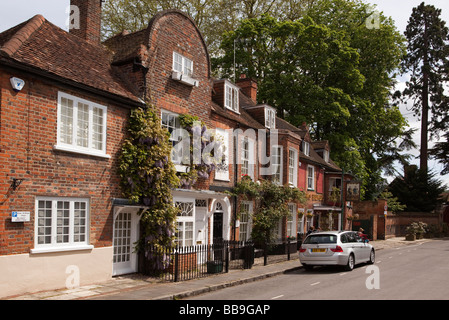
(270, 118)
(231, 97)
(183, 70)
(182, 64)
(306, 148)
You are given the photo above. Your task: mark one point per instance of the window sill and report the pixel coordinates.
(84, 152)
(61, 249)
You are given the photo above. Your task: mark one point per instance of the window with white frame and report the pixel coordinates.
(291, 220)
(245, 156)
(182, 64)
(81, 125)
(301, 221)
(170, 121)
(231, 97)
(185, 222)
(61, 223)
(246, 210)
(276, 164)
(222, 169)
(306, 148)
(293, 167)
(310, 177)
(270, 118)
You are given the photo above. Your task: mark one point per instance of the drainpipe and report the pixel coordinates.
(236, 144)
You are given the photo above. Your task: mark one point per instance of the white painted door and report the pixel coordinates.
(126, 222)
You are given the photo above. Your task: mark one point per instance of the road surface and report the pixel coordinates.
(411, 272)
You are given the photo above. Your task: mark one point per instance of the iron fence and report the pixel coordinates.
(193, 262)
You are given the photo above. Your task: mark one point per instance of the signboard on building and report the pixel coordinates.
(20, 216)
(353, 191)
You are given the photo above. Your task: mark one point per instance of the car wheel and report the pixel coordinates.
(350, 265)
(372, 257)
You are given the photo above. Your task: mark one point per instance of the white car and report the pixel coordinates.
(345, 248)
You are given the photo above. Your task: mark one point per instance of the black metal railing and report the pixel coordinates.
(192, 262)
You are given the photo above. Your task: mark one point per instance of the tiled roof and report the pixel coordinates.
(43, 46)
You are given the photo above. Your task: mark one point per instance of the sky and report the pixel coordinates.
(56, 11)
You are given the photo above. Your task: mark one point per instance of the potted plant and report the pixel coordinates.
(421, 230)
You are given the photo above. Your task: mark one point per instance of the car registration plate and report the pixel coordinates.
(319, 250)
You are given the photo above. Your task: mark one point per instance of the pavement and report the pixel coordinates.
(140, 287)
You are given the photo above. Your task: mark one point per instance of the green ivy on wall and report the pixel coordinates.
(271, 204)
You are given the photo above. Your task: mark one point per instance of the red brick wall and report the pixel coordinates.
(171, 32)
(28, 133)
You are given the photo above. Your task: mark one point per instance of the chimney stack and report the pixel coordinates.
(248, 87)
(85, 20)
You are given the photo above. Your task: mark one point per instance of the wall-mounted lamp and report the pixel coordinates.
(16, 183)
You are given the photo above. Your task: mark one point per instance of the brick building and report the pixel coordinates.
(60, 135)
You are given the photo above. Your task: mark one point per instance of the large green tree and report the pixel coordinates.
(213, 17)
(419, 190)
(336, 75)
(428, 65)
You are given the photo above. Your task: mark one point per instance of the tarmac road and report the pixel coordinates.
(418, 271)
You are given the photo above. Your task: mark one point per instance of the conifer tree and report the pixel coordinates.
(427, 63)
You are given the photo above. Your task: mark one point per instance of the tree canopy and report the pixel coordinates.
(332, 72)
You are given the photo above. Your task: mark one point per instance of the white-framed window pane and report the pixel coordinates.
(177, 62)
(185, 209)
(188, 69)
(44, 215)
(231, 98)
(82, 130)
(180, 233)
(310, 177)
(245, 156)
(245, 214)
(61, 222)
(291, 166)
(81, 125)
(291, 218)
(277, 164)
(188, 233)
(66, 118)
(80, 215)
(170, 121)
(97, 128)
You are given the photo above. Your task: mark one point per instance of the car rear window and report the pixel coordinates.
(321, 238)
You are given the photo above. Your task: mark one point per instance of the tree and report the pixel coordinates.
(417, 189)
(377, 126)
(427, 62)
(315, 72)
(213, 17)
(440, 152)
(271, 205)
(392, 202)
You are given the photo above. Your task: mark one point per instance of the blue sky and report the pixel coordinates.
(13, 13)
